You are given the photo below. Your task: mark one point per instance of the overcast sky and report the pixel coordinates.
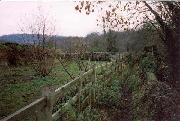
(68, 22)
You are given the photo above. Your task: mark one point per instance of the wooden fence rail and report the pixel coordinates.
(42, 108)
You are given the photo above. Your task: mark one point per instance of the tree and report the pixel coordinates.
(164, 16)
(40, 26)
(96, 42)
(145, 36)
(111, 42)
(41, 29)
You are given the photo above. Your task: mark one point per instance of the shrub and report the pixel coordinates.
(148, 64)
(43, 60)
(154, 101)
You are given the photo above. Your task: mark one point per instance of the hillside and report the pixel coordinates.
(23, 38)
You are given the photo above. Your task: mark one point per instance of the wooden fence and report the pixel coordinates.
(43, 108)
(50, 106)
(95, 56)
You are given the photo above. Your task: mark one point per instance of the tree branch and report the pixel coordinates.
(65, 69)
(161, 34)
(157, 17)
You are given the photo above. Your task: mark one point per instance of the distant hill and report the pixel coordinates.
(18, 38)
(24, 38)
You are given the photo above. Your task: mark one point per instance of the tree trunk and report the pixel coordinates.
(173, 57)
(177, 47)
(172, 39)
(172, 36)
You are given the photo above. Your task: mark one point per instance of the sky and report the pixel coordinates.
(15, 14)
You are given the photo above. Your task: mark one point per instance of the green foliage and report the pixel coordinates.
(108, 93)
(145, 36)
(144, 99)
(95, 42)
(89, 114)
(22, 85)
(151, 99)
(128, 90)
(148, 64)
(111, 42)
(71, 113)
(3, 46)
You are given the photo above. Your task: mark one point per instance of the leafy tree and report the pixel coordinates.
(145, 36)
(111, 42)
(95, 42)
(131, 15)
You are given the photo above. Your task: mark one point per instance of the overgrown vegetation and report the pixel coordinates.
(138, 87)
(125, 94)
(133, 93)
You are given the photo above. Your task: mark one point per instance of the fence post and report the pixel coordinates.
(106, 65)
(111, 66)
(91, 91)
(94, 82)
(47, 111)
(79, 96)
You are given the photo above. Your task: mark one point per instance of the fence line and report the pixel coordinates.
(42, 107)
(41, 102)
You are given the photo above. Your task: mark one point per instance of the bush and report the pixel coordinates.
(43, 60)
(109, 95)
(154, 101)
(148, 64)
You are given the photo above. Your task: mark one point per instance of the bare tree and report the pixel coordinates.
(41, 29)
(80, 49)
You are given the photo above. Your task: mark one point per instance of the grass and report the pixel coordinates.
(21, 86)
(122, 95)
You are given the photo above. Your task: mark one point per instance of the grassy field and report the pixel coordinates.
(20, 86)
